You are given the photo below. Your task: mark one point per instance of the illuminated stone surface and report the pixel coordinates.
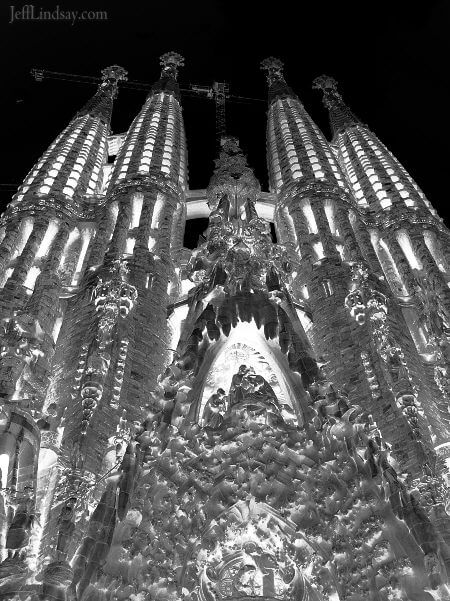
(247, 420)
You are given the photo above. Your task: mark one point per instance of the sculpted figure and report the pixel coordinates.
(66, 524)
(322, 388)
(252, 389)
(215, 409)
(239, 385)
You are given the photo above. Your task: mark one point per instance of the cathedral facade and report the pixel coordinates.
(249, 420)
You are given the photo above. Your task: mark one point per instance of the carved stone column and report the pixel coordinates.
(400, 261)
(347, 234)
(26, 258)
(326, 237)
(362, 236)
(119, 237)
(301, 231)
(434, 276)
(7, 244)
(103, 233)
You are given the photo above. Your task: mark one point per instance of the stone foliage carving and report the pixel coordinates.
(239, 254)
(367, 304)
(113, 298)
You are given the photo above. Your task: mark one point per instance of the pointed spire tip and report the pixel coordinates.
(325, 83)
(271, 62)
(170, 63)
(273, 68)
(340, 114)
(278, 88)
(114, 73)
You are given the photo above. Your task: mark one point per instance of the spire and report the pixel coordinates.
(232, 176)
(170, 62)
(155, 142)
(340, 114)
(73, 162)
(278, 88)
(100, 105)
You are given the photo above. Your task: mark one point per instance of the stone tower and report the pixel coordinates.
(245, 421)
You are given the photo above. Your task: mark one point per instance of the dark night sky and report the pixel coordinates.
(389, 58)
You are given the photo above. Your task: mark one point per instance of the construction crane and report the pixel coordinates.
(218, 91)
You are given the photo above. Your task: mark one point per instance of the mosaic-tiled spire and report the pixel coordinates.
(377, 178)
(297, 150)
(340, 114)
(170, 63)
(72, 164)
(312, 213)
(102, 102)
(278, 88)
(155, 143)
(407, 234)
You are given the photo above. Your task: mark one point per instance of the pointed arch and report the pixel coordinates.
(247, 344)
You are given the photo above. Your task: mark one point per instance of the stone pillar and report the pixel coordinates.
(26, 258)
(430, 268)
(284, 228)
(8, 242)
(347, 234)
(164, 238)
(326, 237)
(119, 238)
(143, 262)
(100, 242)
(179, 223)
(145, 220)
(400, 261)
(365, 244)
(57, 248)
(302, 232)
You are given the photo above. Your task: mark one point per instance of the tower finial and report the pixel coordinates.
(232, 175)
(328, 85)
(170, 62)
(101, 103)
(340, 114)
(278, 87)
(274, 69)
(112, 75)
